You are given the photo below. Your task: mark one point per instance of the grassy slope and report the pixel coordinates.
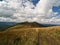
(31, 36)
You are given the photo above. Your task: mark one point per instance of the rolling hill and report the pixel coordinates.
(30, 33)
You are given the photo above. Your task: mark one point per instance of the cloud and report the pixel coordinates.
(25, 10)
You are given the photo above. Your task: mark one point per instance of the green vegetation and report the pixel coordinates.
(2, 28)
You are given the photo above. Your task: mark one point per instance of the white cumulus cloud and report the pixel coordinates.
(24, 10)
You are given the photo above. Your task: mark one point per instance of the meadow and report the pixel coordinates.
(31, 36)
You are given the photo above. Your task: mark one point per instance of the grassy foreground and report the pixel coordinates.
(31, 36)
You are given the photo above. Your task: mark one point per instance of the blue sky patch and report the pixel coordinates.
(56, 9)
(35, 2)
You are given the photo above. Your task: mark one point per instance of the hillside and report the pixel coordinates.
(26, 25)
(5, 25)
(30, 34)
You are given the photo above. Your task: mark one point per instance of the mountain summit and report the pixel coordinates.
(26, 25)
(30, 24)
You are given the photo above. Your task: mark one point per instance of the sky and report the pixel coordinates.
(41, 11)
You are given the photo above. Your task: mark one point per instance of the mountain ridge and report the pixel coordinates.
(26, 25)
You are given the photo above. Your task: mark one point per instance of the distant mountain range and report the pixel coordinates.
(4, 25)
